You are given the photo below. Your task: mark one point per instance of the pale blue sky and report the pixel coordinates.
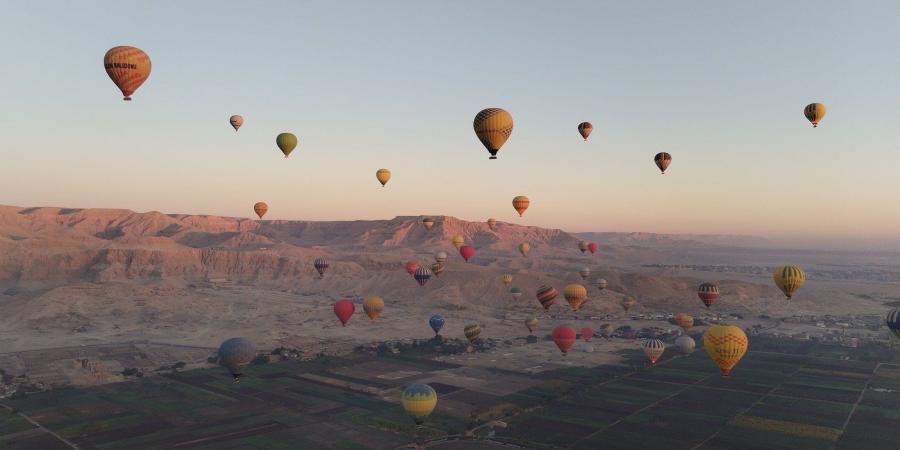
(719, 85)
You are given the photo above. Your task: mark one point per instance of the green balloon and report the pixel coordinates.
(287, 142)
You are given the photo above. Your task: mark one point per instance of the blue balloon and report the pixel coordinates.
(893, 321)
(437, 322)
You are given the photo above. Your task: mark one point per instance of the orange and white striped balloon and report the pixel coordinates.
(128, 67)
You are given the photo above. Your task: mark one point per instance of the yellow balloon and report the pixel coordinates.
(725, 345)
(383, 176)
(789, 279)
(524, 248)
(493, 127)
(458, 241)
(576, 295)
(531, 324)
(373, 307)
(507, 279)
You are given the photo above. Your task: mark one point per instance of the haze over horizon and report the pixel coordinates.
(396, 85)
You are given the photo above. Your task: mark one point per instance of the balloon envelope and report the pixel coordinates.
(383, 176)
(472, 331)
(411, 267)
(628, 303)
(493, 126)
(725, 345)
(546, 295)
(685, 344)
(321, 265)
(684, 321)
(235, 354)
(260, 209)
(128, 67)
(592, 247)
(814, 113)
(585, 128)
(520, 204)
(422, 276)
(708, 293)
(492, 224)
(467, 252)
(602, 284)
(587, 333)
(458, 241)
(428, 222)
(654, 348)
(662, 161)
(892, 320)
(506, 279)
(789, 279)
(531, 324)
(524, 248)
(576, 295)
(236, 121)
(373, 306)
(564, 337)
(344, 310)
(440, 257)
(286, 142)
(436, 322)
(419, 401)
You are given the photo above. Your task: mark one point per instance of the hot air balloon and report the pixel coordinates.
(440, 257)
(726, 345)
(585, 272)
(260, 209)
(344, 310)
(654, 348)
(607, 330)
(515, 292)
(437, 269)
(708, 293)
(602, 284)
(493, 127)
(383, 176)
(472, 331)
(531, 324)
(585, 128)
(467, 252)
(524, 248)
(576, 295)
(546, 295)
(236, 121)
(592, 247)
(587, 333)
(492, 224)
(506, 279)
(419, 401)
(436, 322)
(373, 306)
(411, 267)
(127, 67)
(286, 142)
(684, 321)
(422, 276)
(789, 279)
(458, 241)
(582, 245)
(564, 336)
(892, 319)
(814, 113)
(428, 222)
(628, 302)
(520, 204)
(662, 161)
(685, 344)
(235, 354)
(321, 265)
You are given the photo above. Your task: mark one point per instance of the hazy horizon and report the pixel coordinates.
(719, 86)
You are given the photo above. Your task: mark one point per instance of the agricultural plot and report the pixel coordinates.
(771, 400)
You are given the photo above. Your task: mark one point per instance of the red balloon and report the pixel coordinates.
(587, 333)
(592, 247)
(564, 336)
(344, 309)
(411, 267)
(467, 251)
